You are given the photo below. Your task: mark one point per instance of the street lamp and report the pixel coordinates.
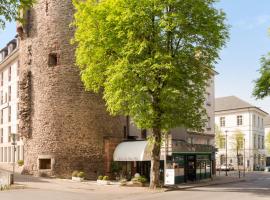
(226, 152)
(13, 135)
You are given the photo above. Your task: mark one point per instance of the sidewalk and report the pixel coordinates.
(217, 180)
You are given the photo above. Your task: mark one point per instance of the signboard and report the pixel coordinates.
(169, 177)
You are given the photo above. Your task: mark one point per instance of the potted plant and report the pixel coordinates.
(20, 163)
(139, 181)
(103, 180)
(78, 176)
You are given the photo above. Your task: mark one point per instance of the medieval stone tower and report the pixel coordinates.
(64, 128)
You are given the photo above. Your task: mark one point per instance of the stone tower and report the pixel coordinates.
(64, 128)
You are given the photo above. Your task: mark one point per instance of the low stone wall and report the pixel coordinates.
(5, 178)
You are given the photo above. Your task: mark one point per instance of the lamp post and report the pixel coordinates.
(226, 153)
(13, 135)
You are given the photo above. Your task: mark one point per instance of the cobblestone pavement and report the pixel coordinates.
(255, 187)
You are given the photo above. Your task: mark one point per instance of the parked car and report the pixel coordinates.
(228, 168)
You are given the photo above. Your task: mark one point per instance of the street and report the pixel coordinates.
(255, 187)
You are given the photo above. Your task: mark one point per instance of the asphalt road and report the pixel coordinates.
(256, 187)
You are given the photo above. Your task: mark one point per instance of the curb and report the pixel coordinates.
(202, 185)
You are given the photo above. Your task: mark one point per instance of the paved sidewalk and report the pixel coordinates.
(218, 180)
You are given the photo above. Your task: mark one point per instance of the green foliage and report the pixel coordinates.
(75, 173)
(238, 140)
(267, 142)
(20, 162)
(105, 178)
(142, 179)
(81, 175)
(100, 177)
(219, 136)
(10, 10)
(262, 84)
(151, 58)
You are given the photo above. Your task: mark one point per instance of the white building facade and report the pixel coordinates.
(9, 83)
(234, 116)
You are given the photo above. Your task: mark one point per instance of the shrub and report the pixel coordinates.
(142, 179)
(100, 177)
(20, 162)
(105, 178)
(81, 175)
(75, 173)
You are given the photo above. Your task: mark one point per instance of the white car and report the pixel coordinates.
(228, 168)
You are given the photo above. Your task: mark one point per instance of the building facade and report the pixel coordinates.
(9, 75)
(62, 126)
(267, 142)
(189, 155)
(233, 117)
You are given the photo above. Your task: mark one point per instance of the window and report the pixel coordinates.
(9, 114)
(190, 140)
(2, 97)
(143, 133)
(222, 121)
(208, 100)
(2, 116)
(254, 142)
(44, 164)
(240, 160)
(9, 93)
(222, 159)
(9, 134)
(254, 120)
(2, 78)
(1, 136)
(239, 120)
(258, 121)
(53, 60)
(18, 68)
(262, 142)
(9, 73)
(209, 123)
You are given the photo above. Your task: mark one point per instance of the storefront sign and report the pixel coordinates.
(169, 177)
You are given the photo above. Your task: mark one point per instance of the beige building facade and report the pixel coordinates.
(9, 75)
(232, 116)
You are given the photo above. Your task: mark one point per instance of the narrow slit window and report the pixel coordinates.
(53, 60)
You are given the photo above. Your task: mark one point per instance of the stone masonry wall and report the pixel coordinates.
(67, 124)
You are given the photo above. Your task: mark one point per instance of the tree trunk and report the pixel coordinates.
(155, 159)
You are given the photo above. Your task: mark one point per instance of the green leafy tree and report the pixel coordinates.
(219, 137)
(267, 142)
(10, 10)
(151, 60)
(262, 84)
(238, 139)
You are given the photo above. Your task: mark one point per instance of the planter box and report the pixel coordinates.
(78, 179)
(102, 182)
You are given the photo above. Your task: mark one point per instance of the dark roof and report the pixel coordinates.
(232, 103)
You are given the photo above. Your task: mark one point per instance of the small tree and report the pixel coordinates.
(267, 142)
(10, 9)
(238, 139)
(219, 137)
(152, 59)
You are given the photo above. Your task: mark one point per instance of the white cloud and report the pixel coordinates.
(253, 23)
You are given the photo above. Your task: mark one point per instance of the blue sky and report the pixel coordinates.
(240, 60)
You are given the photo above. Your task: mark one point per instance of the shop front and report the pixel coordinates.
(184, 162)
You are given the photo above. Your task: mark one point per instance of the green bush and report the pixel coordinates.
(142, 179)
(100, 177)
(105, 178)
(75, 173)
(20, 162)
(81, 175)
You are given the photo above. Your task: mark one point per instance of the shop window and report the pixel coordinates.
(53, 60)
(44, 164)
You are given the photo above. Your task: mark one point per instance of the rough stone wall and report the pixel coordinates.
(67, 124)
